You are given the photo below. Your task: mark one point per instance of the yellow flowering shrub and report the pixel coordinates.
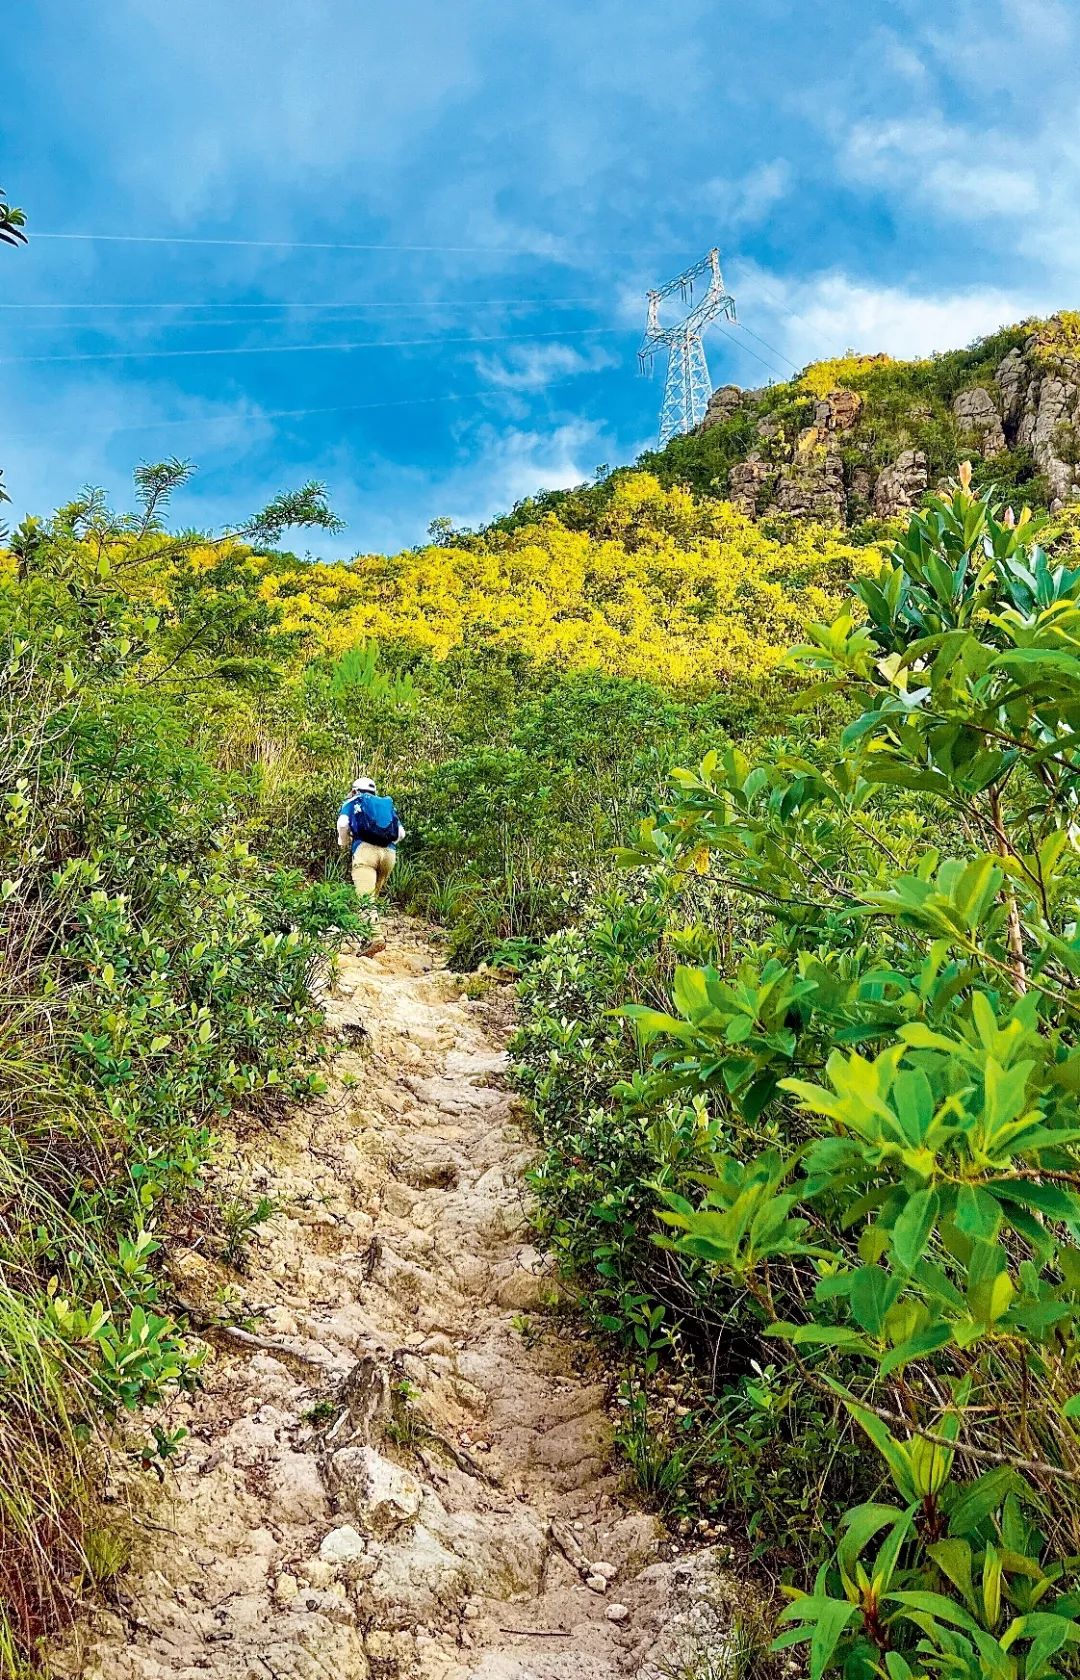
(822, 377)
(669, 588)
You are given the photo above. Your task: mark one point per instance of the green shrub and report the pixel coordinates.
(155, 976)
(909, 1233)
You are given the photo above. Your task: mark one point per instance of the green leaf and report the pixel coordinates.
(979, 1499)
(953, 1558)
(935, 1604)
(911, 1232)
(873, 1292)
(976, 1213)
(827, 1619)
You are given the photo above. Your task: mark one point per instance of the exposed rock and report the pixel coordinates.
(747, 481)
(686, 1624)
(380, 1495)
(900, 485)
(722, 405)
(1013, 382)
(977, 416)
(413, 1579)
(618, 1612)
(1040, 396)
(296, 1488)
(859, 489)
(812, 487)
(1040, 400)
(342, 1545)
(838, 411)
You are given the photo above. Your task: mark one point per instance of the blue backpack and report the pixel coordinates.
(373, 819)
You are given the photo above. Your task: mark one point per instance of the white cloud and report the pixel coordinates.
(991, 144)
(963, 171)
(826, 314)
(532, 367)
(505, 465)
(745, 203)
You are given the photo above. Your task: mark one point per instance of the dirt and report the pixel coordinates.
(403, 1466)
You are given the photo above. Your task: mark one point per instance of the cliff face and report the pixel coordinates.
(871, 444)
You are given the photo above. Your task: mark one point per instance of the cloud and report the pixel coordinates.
(532, 367)
(962, 171)
(981, 154)
(505, 465)
(744, 203)
(826, 314)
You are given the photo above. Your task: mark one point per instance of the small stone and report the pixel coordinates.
(342, 1545)
(470, 1612)
(286, 1588)
(598, 1583)
(618, 1612)
(606, 1571)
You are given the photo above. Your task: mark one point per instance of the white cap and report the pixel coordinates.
(364, 784)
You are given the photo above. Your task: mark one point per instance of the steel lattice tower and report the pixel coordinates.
(687, 387)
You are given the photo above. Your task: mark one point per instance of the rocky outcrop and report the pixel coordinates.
(901, 484)
(829, 470)
(979, 421)
(1013, 381)
(1040, 398)
(812, 486)
(748, 482)
(838, 411)
(722, 405)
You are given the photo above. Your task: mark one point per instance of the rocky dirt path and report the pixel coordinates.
(413, 1479)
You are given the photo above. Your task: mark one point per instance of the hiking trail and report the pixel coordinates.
(404, 1472)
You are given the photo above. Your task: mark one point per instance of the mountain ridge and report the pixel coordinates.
(857, 440)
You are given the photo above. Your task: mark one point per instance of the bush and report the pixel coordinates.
(155, 975)
(908, 1031)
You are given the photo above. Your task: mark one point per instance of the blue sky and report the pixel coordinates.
(502, 181)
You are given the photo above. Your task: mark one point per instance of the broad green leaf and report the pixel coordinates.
(911, 1232)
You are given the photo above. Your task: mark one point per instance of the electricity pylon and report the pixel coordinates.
(687, 387)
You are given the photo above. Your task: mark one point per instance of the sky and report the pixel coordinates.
(403, 248)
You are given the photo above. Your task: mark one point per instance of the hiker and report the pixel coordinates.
(368, 825)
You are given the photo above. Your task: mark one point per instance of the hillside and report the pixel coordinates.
(795, 941)
(860, 439)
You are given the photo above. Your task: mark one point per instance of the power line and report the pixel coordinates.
(196, 324)
(777, 303)
(428, 303)
(302, 413)
(745, 348)
(285, 349)
(767, 345)
(543, 251)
